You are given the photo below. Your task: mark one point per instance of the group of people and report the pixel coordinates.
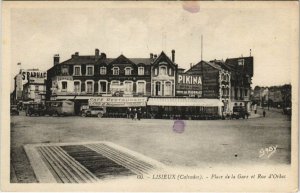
(134, 113)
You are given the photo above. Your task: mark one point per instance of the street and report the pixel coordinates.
(201, 143)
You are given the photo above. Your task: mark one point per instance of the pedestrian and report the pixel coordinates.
(139, 114)
(128, 112)
(134, 114)
(247, 114)
(264, 113)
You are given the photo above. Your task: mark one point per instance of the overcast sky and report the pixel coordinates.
(37, 34)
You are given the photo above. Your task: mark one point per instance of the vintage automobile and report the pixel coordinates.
(14, 110)
(35, 109)
(88, 111)
(59, 108)
(238, 112)
(287, 111)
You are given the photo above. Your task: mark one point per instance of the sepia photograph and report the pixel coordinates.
(150, 96)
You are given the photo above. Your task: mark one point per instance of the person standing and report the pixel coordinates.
(139, 114)
(264, 113)
(134, 114)
(128, 112)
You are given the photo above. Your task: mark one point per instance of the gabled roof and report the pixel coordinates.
(163, 55)
(208, 63)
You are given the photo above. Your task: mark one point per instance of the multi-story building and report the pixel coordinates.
(241, 70)
(22, 78)
(34, 90)
(81, 78)
(163, 75)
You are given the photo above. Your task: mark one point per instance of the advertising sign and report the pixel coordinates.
(118, 101)
(189, 85)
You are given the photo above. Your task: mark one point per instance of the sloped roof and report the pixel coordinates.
(146, 61)
(91, 60)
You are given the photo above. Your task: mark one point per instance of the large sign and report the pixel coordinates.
(33, 74)
(118, 101)
(189, 85)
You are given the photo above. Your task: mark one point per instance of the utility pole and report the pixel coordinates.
(201, 47)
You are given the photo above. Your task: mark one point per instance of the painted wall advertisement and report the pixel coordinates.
(189, 85)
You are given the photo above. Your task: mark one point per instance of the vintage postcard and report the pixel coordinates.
(150, 96)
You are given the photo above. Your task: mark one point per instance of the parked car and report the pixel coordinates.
(238, 112)
(59, 108)
(35, 109)
(92, 111)
(287, 111)
(14, 110)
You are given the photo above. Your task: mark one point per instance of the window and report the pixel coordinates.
(246, 92)
(157, 88)
(127, 71)
(241, 62)
(90, 70)
(103, 86)
(65, 70)
(128, 86)
(36, 88)
(64, 85)
(102, 70)
(170, 71)
(115, 70)
(77, 70)
(141, 87)
(163, 70)
(155, 71)
(89, 87)
(77, 87)
(141, 71)
(168, 89)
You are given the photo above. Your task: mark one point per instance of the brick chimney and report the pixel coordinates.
(56, 59)
(97, 54)
(173, 55)
(151, 55)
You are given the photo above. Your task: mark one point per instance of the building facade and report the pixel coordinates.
(215, 87)
(22, 80)
(241, 70)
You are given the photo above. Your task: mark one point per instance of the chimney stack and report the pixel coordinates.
(155, 56)
(56, 59)
(151, 55)
(173, 55)
(97, 54)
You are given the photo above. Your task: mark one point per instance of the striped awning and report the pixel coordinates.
(194, 102)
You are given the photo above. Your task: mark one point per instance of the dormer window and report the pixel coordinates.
(141, 71)
(89, 70)
(102, 70)
(65, 70)
(115, 70)
(77, 70)
(128, 71)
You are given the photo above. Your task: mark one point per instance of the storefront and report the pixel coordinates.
(184, 108)
(119, 106)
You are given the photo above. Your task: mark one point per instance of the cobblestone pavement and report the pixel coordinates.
(206, 143)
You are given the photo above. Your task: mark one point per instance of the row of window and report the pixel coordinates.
(115, 70)
(103, 70)
(127, 86)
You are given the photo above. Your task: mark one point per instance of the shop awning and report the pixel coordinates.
(194, 102)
